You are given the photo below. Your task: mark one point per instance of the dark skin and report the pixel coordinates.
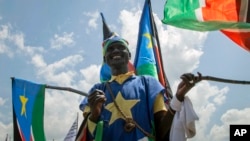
(117, 57)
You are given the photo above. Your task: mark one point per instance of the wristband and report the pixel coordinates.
(170, 110)
(175, 104)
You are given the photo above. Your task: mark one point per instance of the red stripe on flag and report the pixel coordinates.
(159, 65)
(239, 37)
(22, 136)
(158, 56)
(221, 10)
(31, 138)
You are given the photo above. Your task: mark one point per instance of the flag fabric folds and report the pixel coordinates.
(239, 36)
(71, 135)
(145, 62)
(230, 16)
(148, 60)
(28, 110)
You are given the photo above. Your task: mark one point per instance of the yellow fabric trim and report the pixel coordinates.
(122, 77)
(86, 110)
(91, 126)
(159, 104)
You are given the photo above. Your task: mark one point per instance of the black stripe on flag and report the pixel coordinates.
(17, 136)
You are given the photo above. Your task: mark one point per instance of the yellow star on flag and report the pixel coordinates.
(148, 36)
(23, 100)
(125, 106)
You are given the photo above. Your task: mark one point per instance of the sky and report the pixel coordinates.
(59, 43)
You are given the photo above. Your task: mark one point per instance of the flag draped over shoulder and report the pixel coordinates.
(28, 110)
(232, 17)
(71, 135)
(148, 60)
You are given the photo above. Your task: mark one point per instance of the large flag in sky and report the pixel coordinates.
(28, 110)
(232, 17)
(148, 60)
(71, 135)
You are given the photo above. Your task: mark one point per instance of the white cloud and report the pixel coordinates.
(130, 22)
(230, 117)
(179, 54)
(5, 129)
(11, 43)
(5, 50)
(60, 72)
(60, 112)
(2, 101)
(4, 35)
(91, 73)
(236, 116)
(66, 40)
(38, 61)
(90, 76)
(93, 19)
(204, 93)
(19, 41)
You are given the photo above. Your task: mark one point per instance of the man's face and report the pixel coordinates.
(117, 55)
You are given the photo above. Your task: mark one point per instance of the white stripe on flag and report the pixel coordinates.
(198, 11)
(202, 3)
(199, 15)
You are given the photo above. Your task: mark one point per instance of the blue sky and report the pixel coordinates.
(59, 43)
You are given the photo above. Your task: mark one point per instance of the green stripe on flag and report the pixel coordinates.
(37, 115)
(147, 69)
(180, 7)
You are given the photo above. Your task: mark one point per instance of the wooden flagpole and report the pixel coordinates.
(212, 78)
(66, 89)
(224, 80)
(62, 88)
